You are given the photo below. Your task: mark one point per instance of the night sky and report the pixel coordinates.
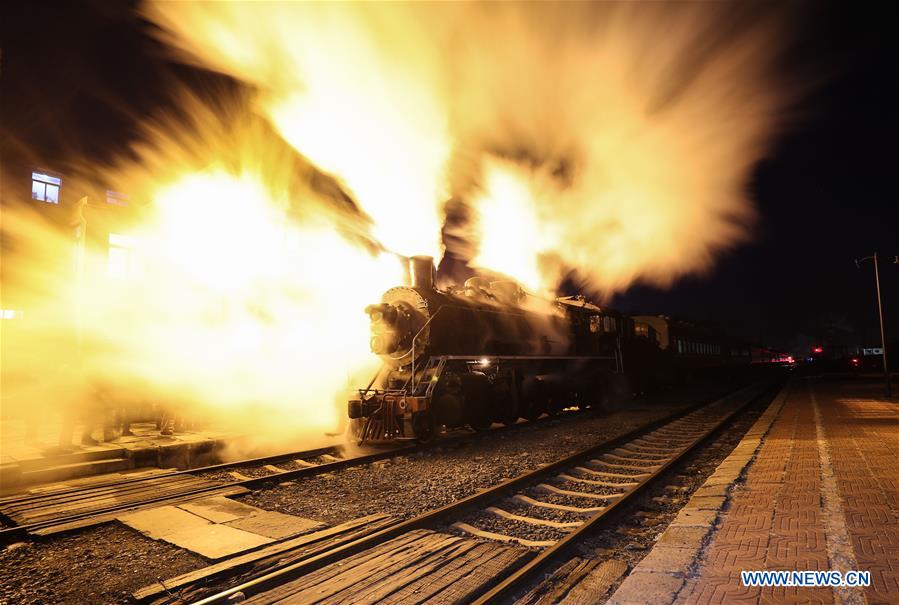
(77, 78)
(826, 194)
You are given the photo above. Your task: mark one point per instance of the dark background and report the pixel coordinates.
(78, 78)
(826, 194)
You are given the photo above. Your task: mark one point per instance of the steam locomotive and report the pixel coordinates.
(481, 353)
(487, 352)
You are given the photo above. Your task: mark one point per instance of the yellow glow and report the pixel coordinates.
(356, 100)
(239, 312)
(510, 232)
(605, 138)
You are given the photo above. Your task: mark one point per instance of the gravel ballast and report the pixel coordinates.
(410, 485)
(99, 565)
(105, 564)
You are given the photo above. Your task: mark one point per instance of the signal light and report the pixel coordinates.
(818, 350)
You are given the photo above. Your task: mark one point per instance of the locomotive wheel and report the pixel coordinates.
(506, 407)
(533, 410)
(533, 398)
(476, 388)
(509, 418)
(423, 427)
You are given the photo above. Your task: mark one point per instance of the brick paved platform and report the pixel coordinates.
(814, 485)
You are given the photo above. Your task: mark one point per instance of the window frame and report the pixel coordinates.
(46, 181)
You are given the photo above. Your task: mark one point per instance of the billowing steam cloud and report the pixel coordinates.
(238, 301)
(614, 140)
(610, 139)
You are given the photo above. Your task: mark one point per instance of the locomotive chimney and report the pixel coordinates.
(421, 272)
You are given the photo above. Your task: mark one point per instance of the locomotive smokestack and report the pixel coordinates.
(421, 272)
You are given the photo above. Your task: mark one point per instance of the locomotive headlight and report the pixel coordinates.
(381, 312)
(383, 343)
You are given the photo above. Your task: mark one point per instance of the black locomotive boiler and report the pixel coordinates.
(478, 354)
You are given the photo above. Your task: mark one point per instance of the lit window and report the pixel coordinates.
(45, 188)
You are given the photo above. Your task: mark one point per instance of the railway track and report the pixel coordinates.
(47, 512)
(486, 547)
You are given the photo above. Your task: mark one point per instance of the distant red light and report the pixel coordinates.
(854, 361)
(790, 359)
(818, 350)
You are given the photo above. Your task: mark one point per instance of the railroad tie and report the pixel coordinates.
(637, 459)
(597, 473)
(598, 483)
(624, 451)
(567, 492)
(480, 533)
(550, 505)
(616, 465)
(532, 520)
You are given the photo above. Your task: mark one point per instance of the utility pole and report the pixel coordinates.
(883, 338)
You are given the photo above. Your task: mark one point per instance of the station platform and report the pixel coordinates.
(813, 486)
(25, 463)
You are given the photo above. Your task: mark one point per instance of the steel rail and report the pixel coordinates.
(280, 575)
(19, 531)
(332, 449)
(529, 570)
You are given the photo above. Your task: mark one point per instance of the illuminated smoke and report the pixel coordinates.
(239, 304)
(614, 139)
(352, 88)
(623, 136)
